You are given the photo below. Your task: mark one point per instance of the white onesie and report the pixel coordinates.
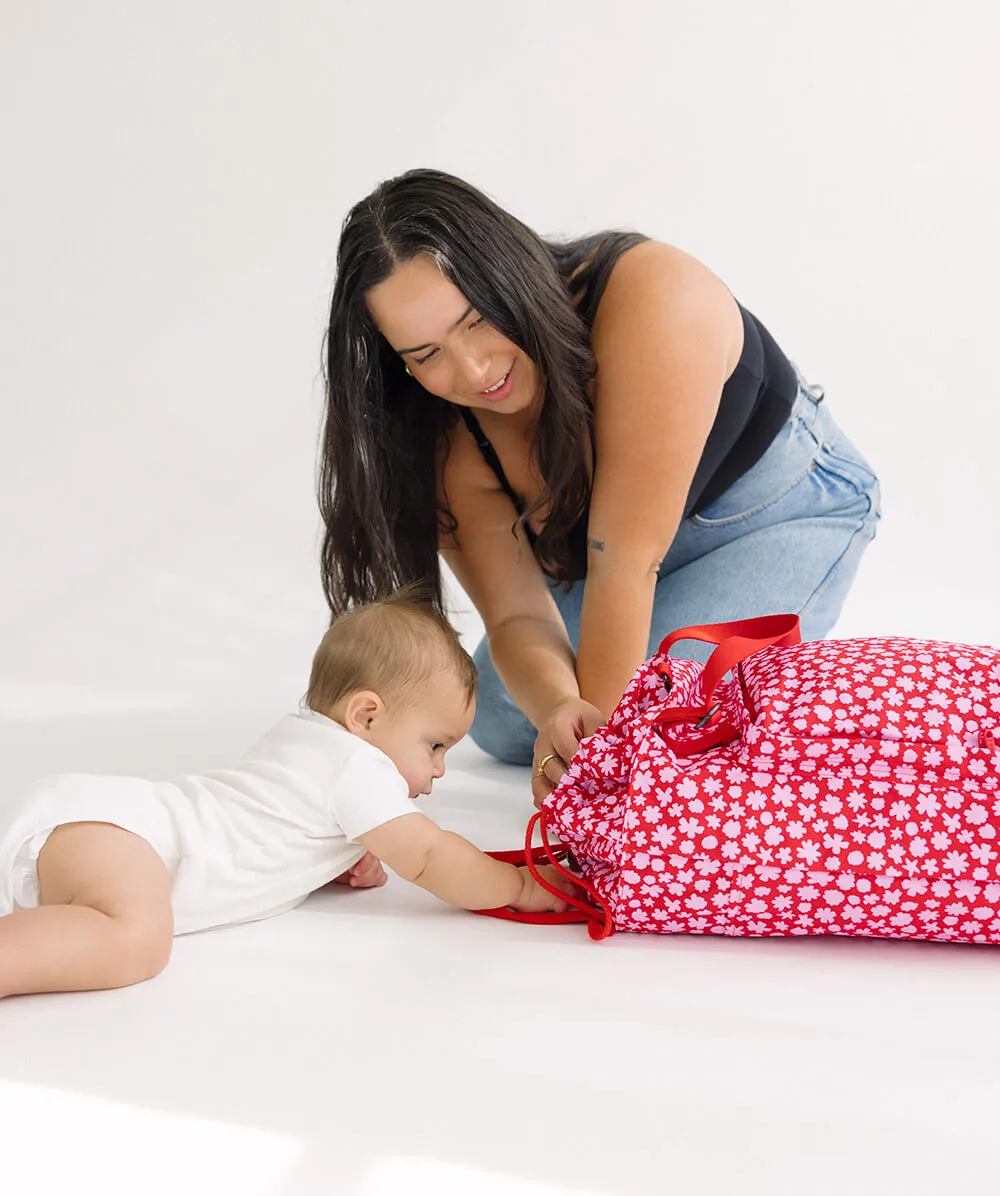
(240, 843)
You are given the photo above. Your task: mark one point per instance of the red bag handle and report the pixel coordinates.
(596, 914)
(736, 641)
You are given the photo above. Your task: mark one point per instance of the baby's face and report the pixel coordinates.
(416, 737)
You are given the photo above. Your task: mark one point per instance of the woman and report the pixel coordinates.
(598, 439)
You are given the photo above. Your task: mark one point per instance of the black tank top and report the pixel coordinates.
(756, 401)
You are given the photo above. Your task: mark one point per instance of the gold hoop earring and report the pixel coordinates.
(408, 370)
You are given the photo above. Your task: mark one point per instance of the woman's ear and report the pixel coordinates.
(362, 711)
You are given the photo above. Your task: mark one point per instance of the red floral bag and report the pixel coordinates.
(830, 787)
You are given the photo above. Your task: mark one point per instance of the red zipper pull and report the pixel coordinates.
(987, 740)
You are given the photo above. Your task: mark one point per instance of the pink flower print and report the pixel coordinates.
(831, 805)
(783, 795)
(939, 840)
(982, 852)
(834, 843)
(642, 781)
(928, 804)
(664, 835)
(796, 829)
(957, 861)
(900, 810)
(784, 855)
(976, 814)
(711, 786)
(915, 885)
(652, 814)
(773, 836)
(967, 889)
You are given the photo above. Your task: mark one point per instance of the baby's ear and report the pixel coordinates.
(362, 711)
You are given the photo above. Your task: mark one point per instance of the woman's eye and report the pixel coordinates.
(436, 747)
(480, 320)
(426, 357)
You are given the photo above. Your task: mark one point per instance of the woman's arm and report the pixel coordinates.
(667, 336)
(498, 570)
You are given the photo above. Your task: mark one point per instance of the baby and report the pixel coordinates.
(98, 873)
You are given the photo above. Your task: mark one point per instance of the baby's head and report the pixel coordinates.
(395, 673)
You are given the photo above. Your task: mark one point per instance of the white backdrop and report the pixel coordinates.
(174, 180)
(174, 176)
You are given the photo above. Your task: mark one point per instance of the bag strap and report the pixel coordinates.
(736, 641)
(595, 913)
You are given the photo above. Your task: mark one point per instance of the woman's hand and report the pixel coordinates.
(557, 742)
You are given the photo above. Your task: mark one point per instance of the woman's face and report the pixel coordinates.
(447, 345)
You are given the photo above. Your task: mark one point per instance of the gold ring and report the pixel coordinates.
(540, 770)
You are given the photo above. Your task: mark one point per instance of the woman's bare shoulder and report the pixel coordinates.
(654, 279)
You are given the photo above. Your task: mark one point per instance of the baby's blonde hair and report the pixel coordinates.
(391, 646)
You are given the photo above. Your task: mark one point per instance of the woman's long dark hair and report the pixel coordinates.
(383, 432)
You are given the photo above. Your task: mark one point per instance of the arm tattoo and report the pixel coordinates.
(597, 545)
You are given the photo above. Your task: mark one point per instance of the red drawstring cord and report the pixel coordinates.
(600, 923)
(599, 927)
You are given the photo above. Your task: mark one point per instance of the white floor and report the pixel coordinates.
(378, 1042)
(174, 179)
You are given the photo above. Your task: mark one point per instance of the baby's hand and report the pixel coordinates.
(367, 873)
(535, 899)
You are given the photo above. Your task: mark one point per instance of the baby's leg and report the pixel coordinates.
(105, 919)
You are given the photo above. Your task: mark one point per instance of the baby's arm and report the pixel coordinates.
(455, 870)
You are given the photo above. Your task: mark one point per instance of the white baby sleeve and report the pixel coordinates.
(371, 792)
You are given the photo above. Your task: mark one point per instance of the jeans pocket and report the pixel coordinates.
(840, 460)
(788, 459)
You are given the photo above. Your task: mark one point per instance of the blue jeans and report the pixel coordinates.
(787, 536)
